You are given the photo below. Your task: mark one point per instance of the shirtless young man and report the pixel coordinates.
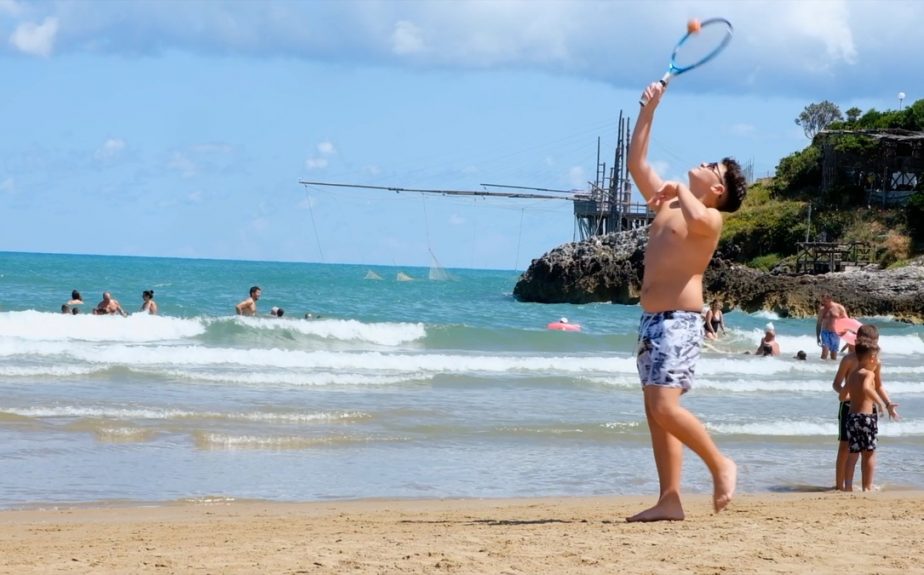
(828, 311)
(109, 306)
(249, 305)
(681, 241)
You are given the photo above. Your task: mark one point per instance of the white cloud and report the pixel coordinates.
(8, 186)
(195, 197)
(213, 149)
(406, 39)
(307, 203)
(825, 23)
(577, 177)
(457, 220)
(11, 7)
(742, 129)
(782, 47)
(259, 224)
(36, 39)
(661, 167)
(183, 164)
(326, 149)
(110, 149)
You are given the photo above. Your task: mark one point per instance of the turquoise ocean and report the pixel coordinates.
(426, 388)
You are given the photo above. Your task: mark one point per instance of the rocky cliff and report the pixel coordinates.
(610, 269)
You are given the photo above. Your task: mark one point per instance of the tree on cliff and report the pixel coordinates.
(816, 117)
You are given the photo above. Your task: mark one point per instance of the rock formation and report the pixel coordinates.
(609, 269)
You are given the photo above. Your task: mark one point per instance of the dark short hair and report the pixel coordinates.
(254, 289)
(75, 294)
(736, 186)
(148, 293)
(865, 348)
(868, 331)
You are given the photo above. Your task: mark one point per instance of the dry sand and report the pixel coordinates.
(814, 533)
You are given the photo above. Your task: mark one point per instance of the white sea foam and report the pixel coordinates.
(232, 442)
(143, 328)
(172, 414)
(766, 314)
(41, 326)
(46, 370)
(890, 345)
(388, 334)
(752, 385)
(290, 378)
(738, 340)
(324, 367)
(764, 385)
(169, 357)
(812, 428)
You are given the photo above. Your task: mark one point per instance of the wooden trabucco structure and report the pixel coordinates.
(824, 257)
(608, 206)
(887, 164)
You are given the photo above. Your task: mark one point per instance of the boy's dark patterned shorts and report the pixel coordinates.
(862, 432)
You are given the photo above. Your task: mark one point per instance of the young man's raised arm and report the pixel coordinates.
(645, 177)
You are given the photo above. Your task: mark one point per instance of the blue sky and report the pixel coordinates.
(183, 128)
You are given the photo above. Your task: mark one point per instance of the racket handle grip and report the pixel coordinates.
(663, 81)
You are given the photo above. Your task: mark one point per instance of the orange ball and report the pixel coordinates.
(693, 26)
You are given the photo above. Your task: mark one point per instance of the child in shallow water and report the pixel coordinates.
(869, 334)
(862, 425)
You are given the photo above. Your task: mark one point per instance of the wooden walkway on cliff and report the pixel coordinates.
(824, 257)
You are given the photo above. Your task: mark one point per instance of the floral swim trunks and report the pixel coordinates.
(862, 430)
(668, 347)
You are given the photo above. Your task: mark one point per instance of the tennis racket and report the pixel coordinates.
(697, 47)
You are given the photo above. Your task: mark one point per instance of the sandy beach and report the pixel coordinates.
(769, 533)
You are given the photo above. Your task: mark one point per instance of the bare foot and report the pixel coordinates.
(725, 481)
(666, 509)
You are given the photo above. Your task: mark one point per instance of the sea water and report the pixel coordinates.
(392, 388)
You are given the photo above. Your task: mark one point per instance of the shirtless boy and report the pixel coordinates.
(870, 334)
(862, 423)
(828, 311)
(249, 305)
(681, 241)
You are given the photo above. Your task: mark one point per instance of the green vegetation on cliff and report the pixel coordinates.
(789, 208)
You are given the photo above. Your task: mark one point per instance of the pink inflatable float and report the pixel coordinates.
(847, 327)
(563, 325)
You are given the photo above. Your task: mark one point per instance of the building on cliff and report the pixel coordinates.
(887, 166)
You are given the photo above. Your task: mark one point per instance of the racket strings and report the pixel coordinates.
(701, 46)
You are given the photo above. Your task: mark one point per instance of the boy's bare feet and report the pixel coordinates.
(725, 482)
(667, 508)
